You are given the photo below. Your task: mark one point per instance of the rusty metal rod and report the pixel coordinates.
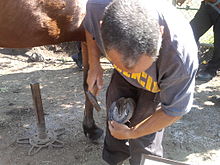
(36, 96)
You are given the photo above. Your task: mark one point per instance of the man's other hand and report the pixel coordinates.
(119, 131)
(95, 79)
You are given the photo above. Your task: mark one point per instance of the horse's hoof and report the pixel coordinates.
(121, 110)
(94, 133)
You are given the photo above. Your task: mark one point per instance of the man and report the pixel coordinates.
(206, 17)
(155, 60)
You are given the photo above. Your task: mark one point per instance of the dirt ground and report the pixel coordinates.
(194, 139)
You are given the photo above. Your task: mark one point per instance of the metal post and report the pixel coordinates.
(42, 138)
(36, 95)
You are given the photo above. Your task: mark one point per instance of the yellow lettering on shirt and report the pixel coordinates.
(136, 76)
(149, 83)
(144, 76)
(127, 74)
(118, 69)
(145, 80)
(155, 87)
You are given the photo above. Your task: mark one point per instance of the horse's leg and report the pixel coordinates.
(89, 127)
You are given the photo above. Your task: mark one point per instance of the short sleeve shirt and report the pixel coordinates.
(172, 75)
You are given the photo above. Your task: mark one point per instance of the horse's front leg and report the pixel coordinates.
(89, 127)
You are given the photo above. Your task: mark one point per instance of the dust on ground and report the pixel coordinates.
(194, 139)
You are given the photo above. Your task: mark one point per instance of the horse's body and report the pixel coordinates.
(29, 23)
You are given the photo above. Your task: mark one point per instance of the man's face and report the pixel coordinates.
(143, 63)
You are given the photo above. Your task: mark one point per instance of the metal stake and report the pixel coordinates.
(36, 96)
(42, 138)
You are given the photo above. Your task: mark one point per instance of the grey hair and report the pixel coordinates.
(131, 27)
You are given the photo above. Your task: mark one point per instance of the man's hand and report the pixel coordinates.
(154, 123)
(95, 80)
(119, 131)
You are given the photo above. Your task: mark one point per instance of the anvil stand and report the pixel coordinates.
(43, 138)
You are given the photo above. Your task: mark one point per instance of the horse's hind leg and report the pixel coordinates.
(89, 127)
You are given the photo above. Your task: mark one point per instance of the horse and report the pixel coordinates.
(31, 23)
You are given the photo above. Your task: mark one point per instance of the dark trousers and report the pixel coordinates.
(206, 17)
(115, 150)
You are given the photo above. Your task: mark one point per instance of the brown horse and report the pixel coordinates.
(29, 23)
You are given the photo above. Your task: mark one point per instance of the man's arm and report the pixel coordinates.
(154, 123)
(95, 73)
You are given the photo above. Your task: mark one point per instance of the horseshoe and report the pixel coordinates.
(121, 110)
